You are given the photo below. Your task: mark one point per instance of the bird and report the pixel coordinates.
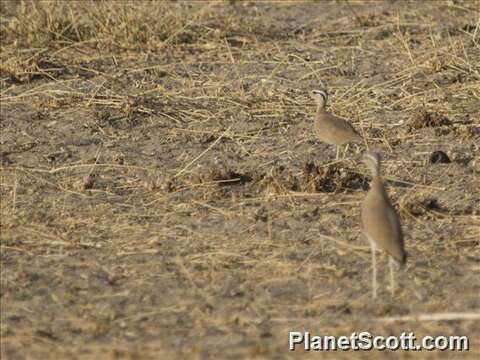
(332, 129)
(381, 224)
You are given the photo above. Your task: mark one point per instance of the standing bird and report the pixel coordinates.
(330, 128)
(380, 222)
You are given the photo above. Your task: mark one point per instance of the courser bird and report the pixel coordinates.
(332, 129)
(381, 224)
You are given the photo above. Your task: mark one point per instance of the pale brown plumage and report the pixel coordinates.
(332, 129)
(380, 221)
(381, 224)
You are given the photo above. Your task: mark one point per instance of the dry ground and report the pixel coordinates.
(163, 195)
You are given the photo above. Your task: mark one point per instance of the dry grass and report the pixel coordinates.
(163, 194)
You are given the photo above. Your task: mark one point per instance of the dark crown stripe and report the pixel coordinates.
(324, 96)
(371, 158)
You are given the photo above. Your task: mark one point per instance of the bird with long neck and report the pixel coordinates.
(332, 129)
(381, 224)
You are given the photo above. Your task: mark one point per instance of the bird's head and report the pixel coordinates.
(373, 161)
(320, 97)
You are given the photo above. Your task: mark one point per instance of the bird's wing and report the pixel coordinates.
(383, 225)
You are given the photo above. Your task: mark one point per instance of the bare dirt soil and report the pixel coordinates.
(163, 194)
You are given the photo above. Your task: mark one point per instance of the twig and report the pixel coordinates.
(203, 153)
(431, 317)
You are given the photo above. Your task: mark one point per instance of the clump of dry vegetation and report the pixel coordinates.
(163, 193)
(422, 118)
(332, 178)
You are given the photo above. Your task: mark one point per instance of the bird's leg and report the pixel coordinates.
(374, 269)
(391, 265)
(338, 153)
(345, 151)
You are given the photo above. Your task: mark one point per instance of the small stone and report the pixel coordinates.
(439, 157)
